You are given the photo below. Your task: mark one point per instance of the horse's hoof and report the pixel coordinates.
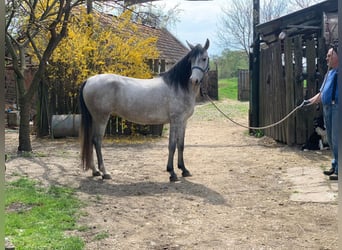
(97, 173)
(173, 178)
(186, 173)
(106, 177)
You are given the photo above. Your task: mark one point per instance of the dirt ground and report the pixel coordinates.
(241, 194)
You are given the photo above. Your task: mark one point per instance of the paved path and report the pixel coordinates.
(311, 186)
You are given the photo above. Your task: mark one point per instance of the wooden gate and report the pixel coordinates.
(291, 71)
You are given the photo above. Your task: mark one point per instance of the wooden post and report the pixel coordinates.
(254, 69)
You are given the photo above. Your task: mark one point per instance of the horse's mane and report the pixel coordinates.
(179, 74)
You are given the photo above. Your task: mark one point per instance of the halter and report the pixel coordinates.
(202, 70)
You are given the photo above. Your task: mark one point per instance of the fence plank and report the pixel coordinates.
(299, 96)
(290, 105)
(310, 89)
(243, 85)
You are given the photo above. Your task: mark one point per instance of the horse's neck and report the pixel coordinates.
(180, 72)
(191, 94)
(195, 89)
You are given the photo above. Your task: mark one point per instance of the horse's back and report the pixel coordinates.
(143, 101)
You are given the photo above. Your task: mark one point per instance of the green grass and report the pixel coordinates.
(207, 111)
(228, 88)
(38, 218)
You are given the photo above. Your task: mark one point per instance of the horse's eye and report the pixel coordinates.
(204, 59)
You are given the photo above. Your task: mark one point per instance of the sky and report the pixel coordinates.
(198, 21)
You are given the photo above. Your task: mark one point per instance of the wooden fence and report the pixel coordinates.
(291, 71)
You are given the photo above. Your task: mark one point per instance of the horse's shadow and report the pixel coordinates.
(53, 172)
(186, 188)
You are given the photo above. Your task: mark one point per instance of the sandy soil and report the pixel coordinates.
(239, 196)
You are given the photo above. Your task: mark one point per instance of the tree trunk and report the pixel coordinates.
(42, 117)
(24, 128)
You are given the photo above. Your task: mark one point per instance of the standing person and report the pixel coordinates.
(328, 96)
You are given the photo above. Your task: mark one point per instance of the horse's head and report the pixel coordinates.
(199, 60)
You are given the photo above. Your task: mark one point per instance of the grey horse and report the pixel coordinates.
(168, 98)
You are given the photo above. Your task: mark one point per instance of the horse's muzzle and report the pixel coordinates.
(195, 80)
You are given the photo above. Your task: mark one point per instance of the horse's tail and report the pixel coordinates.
(85, 132)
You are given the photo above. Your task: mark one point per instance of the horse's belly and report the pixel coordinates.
(145, 117)
(144, 110)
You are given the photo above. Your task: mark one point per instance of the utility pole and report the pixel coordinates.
(254, 62)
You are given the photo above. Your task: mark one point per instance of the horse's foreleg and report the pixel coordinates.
(180, 149)
(172, 149)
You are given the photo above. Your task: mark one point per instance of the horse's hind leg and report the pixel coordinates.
(97, 141)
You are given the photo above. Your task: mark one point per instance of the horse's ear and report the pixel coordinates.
(206, 46)
(190, 45)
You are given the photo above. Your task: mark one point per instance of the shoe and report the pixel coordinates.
(329, 172)
(333, 177)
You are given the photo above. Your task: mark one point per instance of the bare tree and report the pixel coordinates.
(235, 28)
(25, 20)
(272, 9)
(158, 15)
